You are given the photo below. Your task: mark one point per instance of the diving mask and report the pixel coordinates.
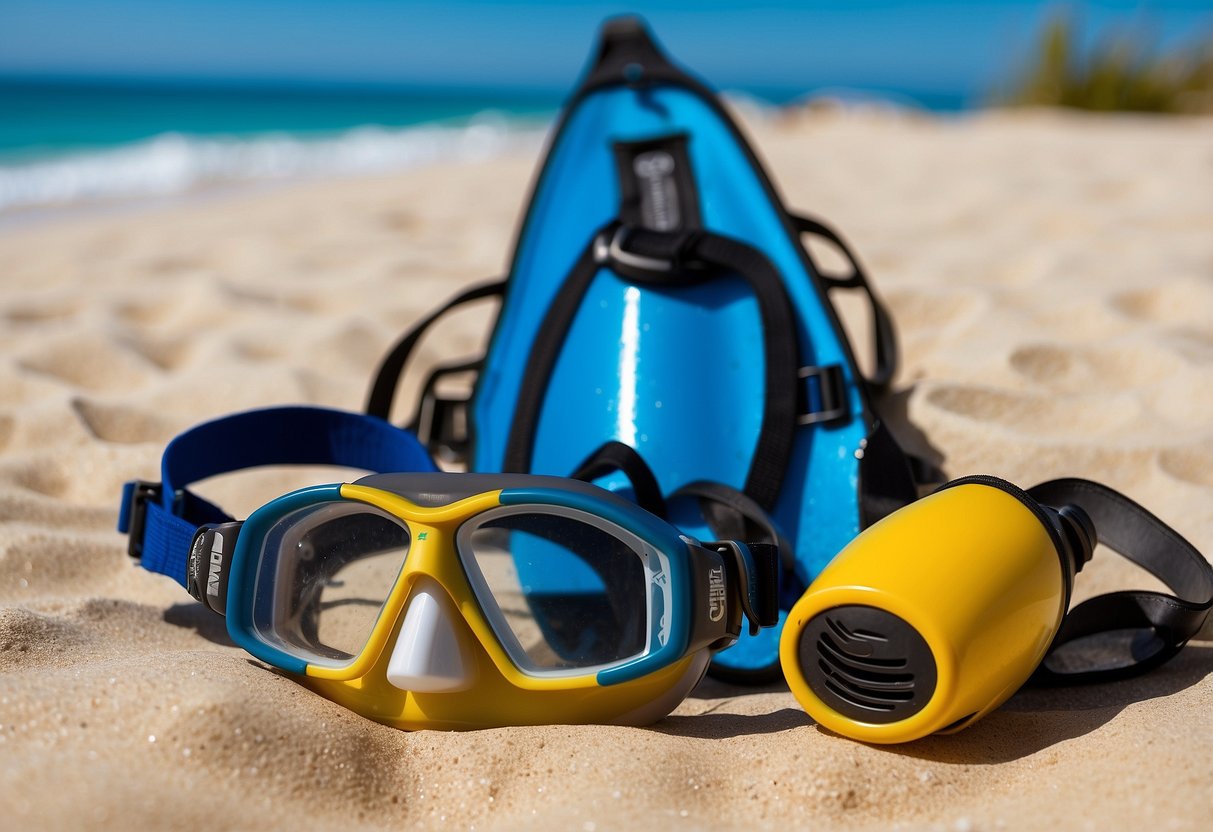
(438, 600)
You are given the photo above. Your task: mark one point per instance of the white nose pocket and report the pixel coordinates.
(428, 656)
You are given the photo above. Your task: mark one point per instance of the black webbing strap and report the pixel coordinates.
(887, 479)
(923, 470)
(731, 515)
(884, 337)
(675, 259)
(387, 377)
(1139, 536)
(616, 456)
(439, 421)
(780, 351)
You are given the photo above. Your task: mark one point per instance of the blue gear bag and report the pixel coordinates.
(661, 306)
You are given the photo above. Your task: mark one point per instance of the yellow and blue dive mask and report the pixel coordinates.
(441, 600)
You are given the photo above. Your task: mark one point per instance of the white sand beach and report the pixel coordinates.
(1051, 278)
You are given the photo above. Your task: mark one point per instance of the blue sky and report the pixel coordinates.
(935, 46)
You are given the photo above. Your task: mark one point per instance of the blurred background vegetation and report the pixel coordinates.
(1124, 71)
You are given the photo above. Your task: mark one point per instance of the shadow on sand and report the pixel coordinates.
(1031, 721)
(198, 618)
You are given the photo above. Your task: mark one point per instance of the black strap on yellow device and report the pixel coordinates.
(1126, 633)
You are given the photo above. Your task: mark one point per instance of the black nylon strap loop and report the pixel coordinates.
(733, 516)
(387, 377)
(695, 256)
(520, 444)
(616, 456)
(884, 336)
(1136, 534)
(775, 439)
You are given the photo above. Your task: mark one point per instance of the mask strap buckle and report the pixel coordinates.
(754, 568)
(133, 519)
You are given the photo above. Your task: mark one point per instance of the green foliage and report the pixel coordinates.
(1120, 73)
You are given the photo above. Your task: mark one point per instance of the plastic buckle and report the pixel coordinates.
(755, 567)
(441, 425)
(136, 513)
(611, 251)
(830, 402)
(441, 421)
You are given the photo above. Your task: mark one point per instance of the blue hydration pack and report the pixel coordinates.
(661, 306)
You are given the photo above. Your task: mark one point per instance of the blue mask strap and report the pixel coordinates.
(163, 517)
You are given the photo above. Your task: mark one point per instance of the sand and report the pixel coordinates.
(1052, 280)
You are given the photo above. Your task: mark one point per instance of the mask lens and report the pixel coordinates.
(323, 577)
(563, 590)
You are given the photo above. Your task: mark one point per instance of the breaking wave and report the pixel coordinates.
(175, 163)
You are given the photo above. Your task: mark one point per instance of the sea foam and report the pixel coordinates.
(174, 163)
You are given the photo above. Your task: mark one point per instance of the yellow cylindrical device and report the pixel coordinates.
(934, 616)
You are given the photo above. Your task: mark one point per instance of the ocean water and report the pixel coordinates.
(71, 143)
(63, 144)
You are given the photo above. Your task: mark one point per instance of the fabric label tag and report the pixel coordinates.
(656, 184)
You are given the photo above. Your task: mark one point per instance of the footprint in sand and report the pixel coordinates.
(168, 304)
(259, 347)
(1178, 302)
(1195, 346)
(38, 562)
(1193, 464)
(1036, 415)
(923, 311)
(151, 310)
(30, 639)
(123, 424)
(93, 362)
(167, 353)
(1092, 369)
(72, 480)
(47, 480)
(42, 310)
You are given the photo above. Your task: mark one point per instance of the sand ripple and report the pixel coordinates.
(1055, 302)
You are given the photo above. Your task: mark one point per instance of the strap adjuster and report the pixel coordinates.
(442, 425)
(133, 520)
(671, 255)
(609, 250)
(824, 394)
(441, 422)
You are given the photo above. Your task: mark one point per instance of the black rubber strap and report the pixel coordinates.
(781, 354)
(884, 337)
(731, 515)
(693, 257)
(887, 480)
(387, 377)
(441, 422)
(616, 456)
(1139, 536)
(924, 471)
(520, 443)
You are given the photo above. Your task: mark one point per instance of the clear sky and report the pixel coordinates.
(935, 46)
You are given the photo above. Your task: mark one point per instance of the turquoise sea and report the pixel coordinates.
(69, 142)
